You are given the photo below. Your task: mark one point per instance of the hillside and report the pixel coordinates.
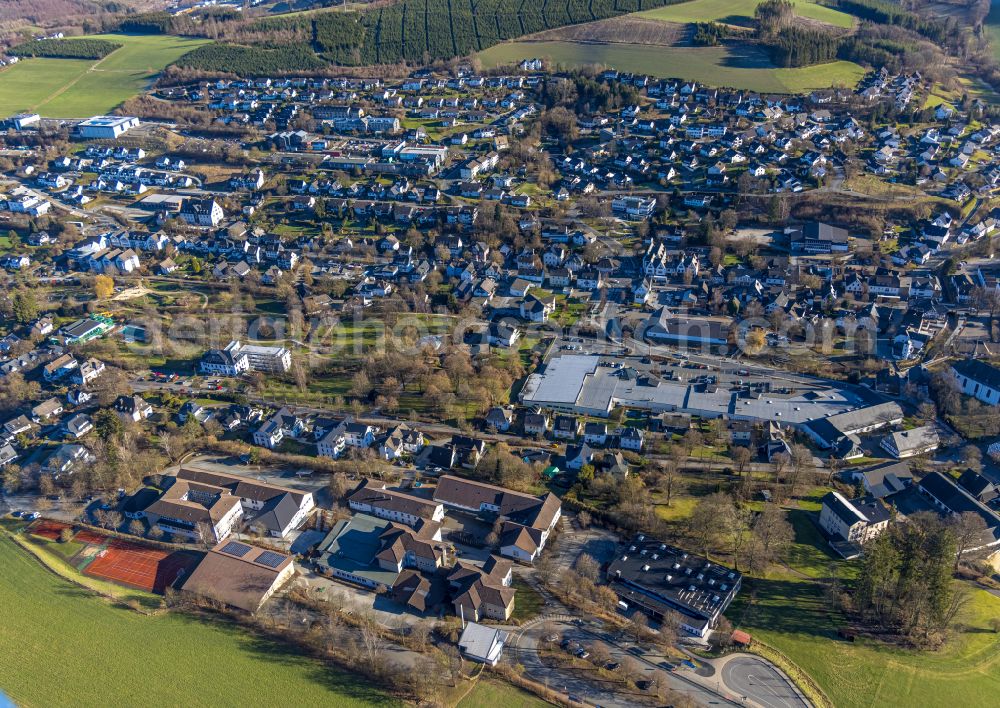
(414, 31)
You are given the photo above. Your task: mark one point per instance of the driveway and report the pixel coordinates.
(759, 682)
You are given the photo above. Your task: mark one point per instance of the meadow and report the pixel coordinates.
(791, 611)
(792, 614)
(992, 26)
(740, 12)
(63, 646)
(788, 608)
(742, 66)
(75, 88)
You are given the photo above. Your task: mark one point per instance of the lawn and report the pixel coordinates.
(73, 88)
(793, 616)
(737, 66)
(528, 603)
(681, 507)
(63, 646)
(740, 12)
(490, 694)
(792, 613)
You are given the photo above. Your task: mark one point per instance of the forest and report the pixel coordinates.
(797, 46)
(147, 23)
(711, 34)
(252, 61)
(888, 13)
(65, 48)
(413, 31)
(890, 37)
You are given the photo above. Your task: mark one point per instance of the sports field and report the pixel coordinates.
(44, 528)
(740, 12)
(136, 565)
(140, 567)
(75, 88)
(63, 646)
(743, 66)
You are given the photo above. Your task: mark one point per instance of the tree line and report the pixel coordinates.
(711, 34)
(799, 46)
(411, 31)
(65, 48)
(888, 13)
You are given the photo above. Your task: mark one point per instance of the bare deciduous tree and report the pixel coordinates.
(373, 642)
(967, 527)
(588, 567)
(741, 459)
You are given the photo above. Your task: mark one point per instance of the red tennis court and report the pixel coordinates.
(141, 567)
(48, 529)
(85, 536)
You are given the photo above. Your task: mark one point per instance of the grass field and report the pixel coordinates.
(992, 26)
(791, 612)
(743, 66)
(792, 615)
(64, 647)
(490, 694)
(73, 88)
(740, 12)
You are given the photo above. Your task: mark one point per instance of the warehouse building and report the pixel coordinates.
(106, 127)
(584, 384)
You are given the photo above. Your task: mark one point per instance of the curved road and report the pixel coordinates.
(760, 683)
(592, 690)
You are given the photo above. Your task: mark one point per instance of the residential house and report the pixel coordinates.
(133, 408)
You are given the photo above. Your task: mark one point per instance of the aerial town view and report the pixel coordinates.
(498, 354)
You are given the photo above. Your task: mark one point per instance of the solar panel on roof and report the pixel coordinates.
(235, 548)
(270, 559)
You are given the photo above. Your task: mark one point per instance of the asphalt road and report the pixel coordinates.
(760, 683)
(585, 684)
